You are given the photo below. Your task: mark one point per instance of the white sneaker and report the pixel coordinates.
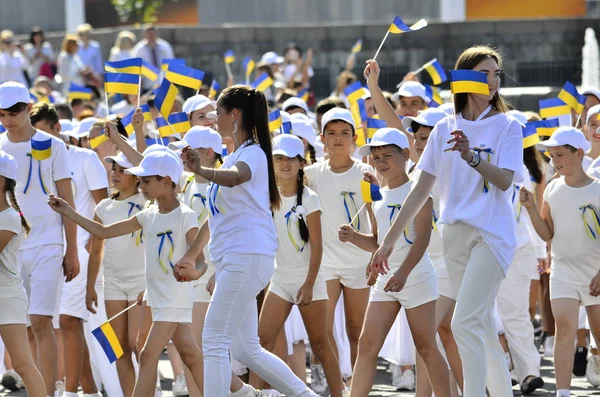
(60, 388)
(396, 374)
(179, 386)
(346, 392)
(270, 393)
(592, 372)
(407, 381)
(11, 380)
(318, 383)
(250, 392)
(549, 346)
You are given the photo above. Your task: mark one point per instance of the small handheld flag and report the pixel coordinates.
(373, 125)
(164, 65)
(274, 120)
(530, 135)
(229, 57)
(185, 76)
(41, 150)
(149, 71)
(434, 94)
(469, 81)
(370, 192)
(79, 92)
(214, 89)
(128, 66)
(99, 140)
(179, 122)
(108, 341)
(357, 47)
(571, 97)
(303, 95)
(545, 128)
(165, 97)
(553, 107)
(359, 112)
(436, 71)
(286, 127)
(127, 121)
(354, 92)
(121, 83)
(398, 27)
(248, 66)
(263, 82)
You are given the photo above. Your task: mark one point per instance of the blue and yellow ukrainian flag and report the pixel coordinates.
(127, 121)
(214, 89)
(357, 47)
(398, 26)
(303, 95)
(571, 97)
(263, 82)
(229, 57)
(553, 107)
(165, 97)
(41, 150)
(99, 140)
(128, 66)
(530, 135)
(436, 71)
(359, 112)
(149, 71)
(164, 65)
(79, 92)
(433, 93)
(108, 341)
(185, 76)
(373, 125)
(179, 122)
(121, 83)
(354, 92)
(545, 128)
(469, 81)
(275, 120)
(286, 127)
(248, 66)
(370, 192)
(165, 128)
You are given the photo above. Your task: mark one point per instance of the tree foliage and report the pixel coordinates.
(138, 11)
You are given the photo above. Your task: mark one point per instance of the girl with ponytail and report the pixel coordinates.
(242, 196)
(13, 317)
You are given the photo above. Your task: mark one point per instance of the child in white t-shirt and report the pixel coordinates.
(570, 218)
(337, 182)
(13, 316)
(411, 281)
(168, 228)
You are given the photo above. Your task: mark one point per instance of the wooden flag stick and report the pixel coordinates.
(356, 216)
(381, 45)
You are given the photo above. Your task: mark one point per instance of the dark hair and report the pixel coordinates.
(325, 105)
(289, 108)
(253, 107)
(35, 31)
(312, 155)
(43, 112)
(337, 122)
(160, 178)
(302, 227)
(286, 94)
(533, 161)
(76, 102)
(470, 58)
(17, 107)
(219, 158)
(10, 186)
(572, 149)
(64, 111)
(398, 148)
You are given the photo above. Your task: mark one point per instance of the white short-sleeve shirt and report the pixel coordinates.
(465, 196)
(162, 289)
(10, 257)
(46, 225)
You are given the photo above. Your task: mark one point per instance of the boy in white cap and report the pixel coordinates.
(295, 105)
(43, 259)
(411, 97)
(570, 219)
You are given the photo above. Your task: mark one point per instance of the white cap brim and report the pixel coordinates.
(116, 159)
(365, 150)
(179, 145)
(139, 171)
(281, 152)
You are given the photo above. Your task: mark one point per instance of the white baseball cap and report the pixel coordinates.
(304, 129)
(288, 145)
(200, 137)
(156, 163)
(385, 136)
(411, 89)
(12, 93)
(119, 159)
(337, 114)
(155, 147)
(8, 165)
(520, 116)
(294, 102)
(271, 58)
(198, 102)
(593, 111)
(85, 126)
(592, 91)
(566, 136)
(428, 117)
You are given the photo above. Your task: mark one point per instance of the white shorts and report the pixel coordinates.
(14, 310)
(72, 298)
(172, 315)
(353, 278)
(561, 289)
(444, 285)
(201, 295)
(289, 291)
(409, 297)
(42, 274)
(119, 289)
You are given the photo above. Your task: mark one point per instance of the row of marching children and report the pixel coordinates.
(418, 246)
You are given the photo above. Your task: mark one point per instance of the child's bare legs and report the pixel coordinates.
(120, 325)
(197, 326)
(566, 313)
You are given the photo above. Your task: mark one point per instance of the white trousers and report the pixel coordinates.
(513, 305)
(232, 324)
(476, 275)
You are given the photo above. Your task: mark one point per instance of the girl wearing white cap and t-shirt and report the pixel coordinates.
(241, 197)
(479, 225)
(199, 109)
(296, 280)
(411, 281)
(169, 226)
(571, 219)
(13, 316)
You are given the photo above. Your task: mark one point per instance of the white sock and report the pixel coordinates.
(97, 394)
(242, 392)
(563, 393)
(70, 394)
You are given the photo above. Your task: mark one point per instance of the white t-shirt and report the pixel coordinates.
(46, 225)
(162, 289)
(10, 257)
(123, 255)
(240, 217)
(87, 174)
(386, 211)
(575, 255)
(340, 196)
(293, 254)
(462, 194)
